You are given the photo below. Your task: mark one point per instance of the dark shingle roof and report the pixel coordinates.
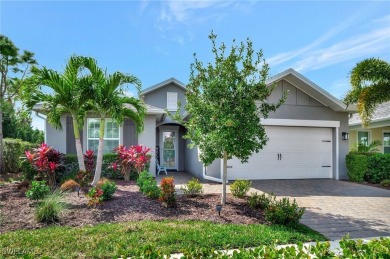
(382, 112)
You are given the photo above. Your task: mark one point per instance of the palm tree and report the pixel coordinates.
(370, 82)
(109, 101)
(68, 91)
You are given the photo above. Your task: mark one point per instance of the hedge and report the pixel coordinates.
(370, 167)
(356, 166)
(378, 168)
(13, 149)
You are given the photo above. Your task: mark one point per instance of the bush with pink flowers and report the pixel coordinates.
(45, 160)
(134, 158)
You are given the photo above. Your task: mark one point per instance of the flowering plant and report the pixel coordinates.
(45, 161)
(89, 158)
(132, 158)
(94, 196)
(168, 192)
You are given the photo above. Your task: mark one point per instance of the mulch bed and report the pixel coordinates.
(128, 204)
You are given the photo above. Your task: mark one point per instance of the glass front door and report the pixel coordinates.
(169, 149)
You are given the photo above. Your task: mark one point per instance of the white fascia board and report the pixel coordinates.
(300, 123)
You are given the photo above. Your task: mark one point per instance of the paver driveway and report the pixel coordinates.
(335, 208)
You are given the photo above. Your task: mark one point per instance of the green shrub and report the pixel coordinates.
(143, 178)
(38, 190)
(283, 212)
(108, 189)
(357, 165)
(261, 201)
(240, 187)
(28, 171)
(49, 210)
(192, 188)
(151, 189)
(376, 248)
(148, 185)
(13, 150)
(378, 168)
(385, 183)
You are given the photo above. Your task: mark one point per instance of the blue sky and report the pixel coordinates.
(155, 40)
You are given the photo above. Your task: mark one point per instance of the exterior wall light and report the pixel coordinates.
(345, 136)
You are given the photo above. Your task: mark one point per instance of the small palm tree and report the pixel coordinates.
(67, 96)
(109, 101)
(370, 82)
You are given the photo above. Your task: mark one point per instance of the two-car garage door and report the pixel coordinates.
(290, 153)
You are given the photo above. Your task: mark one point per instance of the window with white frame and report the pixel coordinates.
(386, 142)
(111, 135)
(171, 101)
(363, 138)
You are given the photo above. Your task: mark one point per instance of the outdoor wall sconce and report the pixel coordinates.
(218, 208)
(345, 135)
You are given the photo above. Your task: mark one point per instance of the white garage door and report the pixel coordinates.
(290, 153)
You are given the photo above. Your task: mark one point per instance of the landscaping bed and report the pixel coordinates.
(128, 204)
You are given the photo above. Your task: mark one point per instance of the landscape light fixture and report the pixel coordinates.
(218, 208)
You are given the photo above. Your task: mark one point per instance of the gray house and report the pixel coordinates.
(305, 134)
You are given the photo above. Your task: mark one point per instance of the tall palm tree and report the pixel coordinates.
(370, 82)
(109, 101)
(66, 96)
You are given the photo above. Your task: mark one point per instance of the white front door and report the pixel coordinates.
(290, 153)
(168, 148)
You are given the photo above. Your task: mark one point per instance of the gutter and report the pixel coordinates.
(207, 177)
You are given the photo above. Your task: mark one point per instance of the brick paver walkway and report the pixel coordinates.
(334, 208)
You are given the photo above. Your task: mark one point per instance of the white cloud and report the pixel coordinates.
(286, 56)
(338, 88)
(359, 46)
(316, 55)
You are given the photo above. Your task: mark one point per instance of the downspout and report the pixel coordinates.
(43, 118)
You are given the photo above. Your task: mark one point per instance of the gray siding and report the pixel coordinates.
(57, 138)
(294, 95)
(70, 138)
(130, 137)
(158, 97)
(192, 164)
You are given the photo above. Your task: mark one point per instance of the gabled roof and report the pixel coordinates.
(162, 84)
(311, 89)
(381, 113)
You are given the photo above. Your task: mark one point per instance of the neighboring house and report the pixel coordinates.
(304, 134)
(379, 129)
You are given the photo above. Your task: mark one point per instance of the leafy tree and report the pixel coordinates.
(16, 64)
(370, 86)
(67, 96)
(225, 101)
(17, 125)
(109, 101)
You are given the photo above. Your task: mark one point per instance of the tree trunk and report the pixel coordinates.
(99, 160)
(1, 138)
(224, 178)
(79, 149)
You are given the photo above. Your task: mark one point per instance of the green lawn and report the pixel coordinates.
(116, 239)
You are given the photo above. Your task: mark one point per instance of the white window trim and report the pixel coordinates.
(172, 94)
(383, 144)
(106, 120)
(369, 136)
